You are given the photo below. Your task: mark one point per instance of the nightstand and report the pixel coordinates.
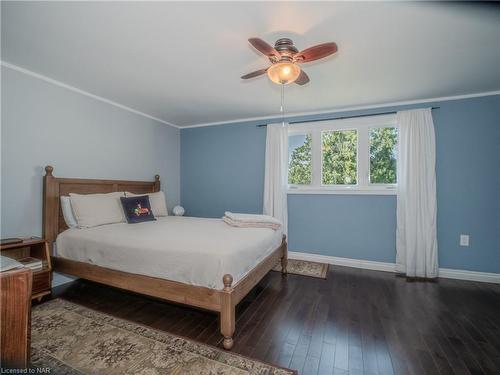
(36, 248)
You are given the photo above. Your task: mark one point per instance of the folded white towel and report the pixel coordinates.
(251, 218)
(251, 221)
(240, 224)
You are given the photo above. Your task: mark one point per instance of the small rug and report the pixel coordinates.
(305, 268)
(71, 339)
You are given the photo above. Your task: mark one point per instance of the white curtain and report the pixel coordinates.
(416, 237)
(276, 173)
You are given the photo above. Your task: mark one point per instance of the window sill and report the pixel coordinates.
(343, 191)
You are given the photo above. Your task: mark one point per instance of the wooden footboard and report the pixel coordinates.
(222, 301)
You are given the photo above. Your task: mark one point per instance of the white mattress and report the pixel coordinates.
(196, 251)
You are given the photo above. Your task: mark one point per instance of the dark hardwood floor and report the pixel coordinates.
(355, 322)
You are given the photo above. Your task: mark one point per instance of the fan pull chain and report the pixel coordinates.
(282, 108)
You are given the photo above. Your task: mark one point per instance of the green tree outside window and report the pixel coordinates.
(339, 154)
(383, 150)
(299, 164)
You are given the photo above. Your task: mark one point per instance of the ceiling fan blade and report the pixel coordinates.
(316, 52)
(254, 74)
(265, 48)
(303, 78)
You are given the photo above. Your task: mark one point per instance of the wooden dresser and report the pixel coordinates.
(15, 315)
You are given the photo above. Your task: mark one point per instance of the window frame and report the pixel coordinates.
(362, 125)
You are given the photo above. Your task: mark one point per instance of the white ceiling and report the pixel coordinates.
(181, 62)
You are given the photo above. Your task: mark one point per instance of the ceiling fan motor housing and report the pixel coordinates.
(285, 47)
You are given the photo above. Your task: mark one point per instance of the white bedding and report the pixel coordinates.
(196, 251)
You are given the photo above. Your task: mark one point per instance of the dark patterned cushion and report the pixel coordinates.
(137, 209)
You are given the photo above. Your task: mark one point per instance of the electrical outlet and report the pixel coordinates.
(464, 240)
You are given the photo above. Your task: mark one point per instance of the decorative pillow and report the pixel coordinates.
(137, 209)
(67, 212)
(157, 200)
(91, 210)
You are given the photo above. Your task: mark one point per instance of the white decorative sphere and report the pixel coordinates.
(178, 211)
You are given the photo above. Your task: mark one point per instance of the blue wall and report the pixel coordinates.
(222, 168)
(81, 137)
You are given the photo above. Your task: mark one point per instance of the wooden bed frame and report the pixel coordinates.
(221, 301)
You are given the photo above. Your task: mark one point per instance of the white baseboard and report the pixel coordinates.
(347, 262)
(60, 279)
(446, 273)
(484, 277)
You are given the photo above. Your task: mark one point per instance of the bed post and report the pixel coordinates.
(50, 205)
(284, 255)
(227, 313)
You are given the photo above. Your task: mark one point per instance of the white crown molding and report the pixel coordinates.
(344, 109)
(247, 119)
(446, 273)
(83, 92)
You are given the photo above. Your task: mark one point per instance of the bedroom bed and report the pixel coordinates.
(198, 262)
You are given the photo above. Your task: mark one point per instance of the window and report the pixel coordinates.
(339, 153)
(357, 155)
(299, 156)
(383, 150)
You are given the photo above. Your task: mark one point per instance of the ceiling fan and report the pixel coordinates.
(285, 59)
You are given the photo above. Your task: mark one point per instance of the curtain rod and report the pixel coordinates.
(341, 118)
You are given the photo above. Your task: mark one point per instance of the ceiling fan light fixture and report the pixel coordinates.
(283, 73)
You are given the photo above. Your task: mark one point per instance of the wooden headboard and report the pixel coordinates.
(54, 187)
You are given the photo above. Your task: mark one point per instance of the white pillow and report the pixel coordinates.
(91, 210)
(67, 212)
(157, 201)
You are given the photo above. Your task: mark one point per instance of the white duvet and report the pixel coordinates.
(196, 251)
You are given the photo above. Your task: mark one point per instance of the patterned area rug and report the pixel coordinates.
(305, 268)
(71, 339)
